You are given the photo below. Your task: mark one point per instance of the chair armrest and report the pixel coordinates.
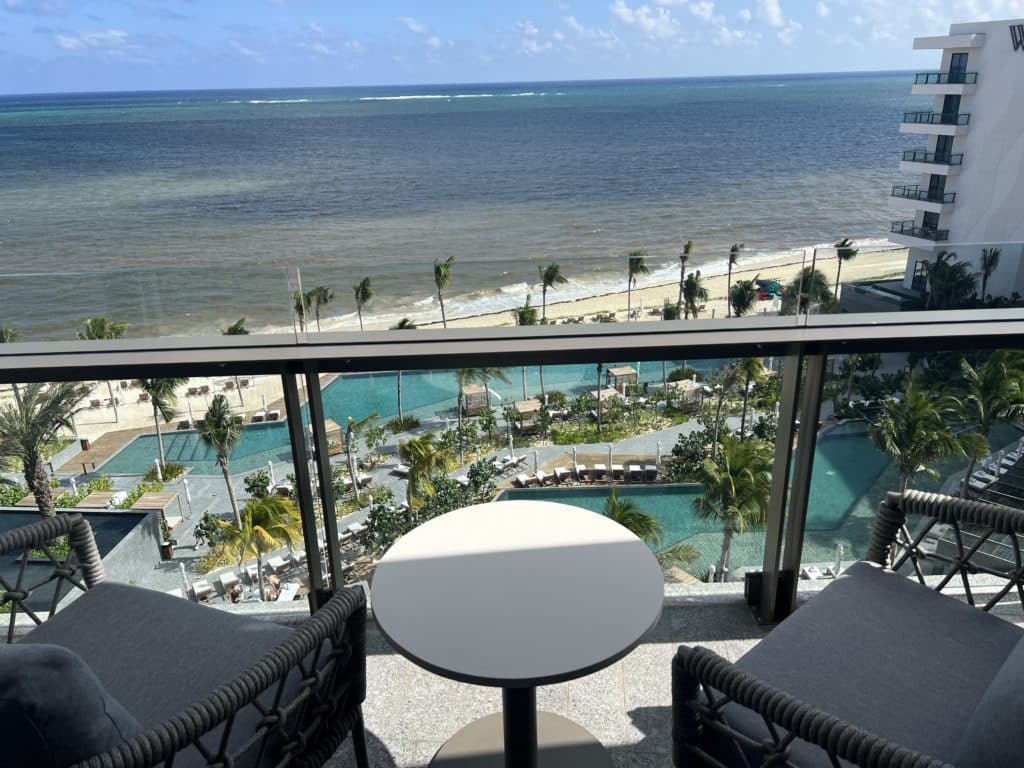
(696, 668)
(311, 726)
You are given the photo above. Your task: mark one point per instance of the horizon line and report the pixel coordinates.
(749, 76)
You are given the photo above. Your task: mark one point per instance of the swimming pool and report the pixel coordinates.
(424, 394)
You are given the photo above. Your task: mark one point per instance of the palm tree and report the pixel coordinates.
(950, 285)
(737, 486)
(742, 297)
(550, 277)
(30, 423)
(525, 315)
(221, 433)
(992, 393)
(734, 255)
(600, 370)
(363, 292)
(352, 431)
(319, 297)
(914, 432)
(649, 529)
(443, 276)
(752, 369)
(989, 262)
(9, 335)
(808, 289)
(100, 328)
(424, 457)
(162, 398)
(483, 376)
(237, 328)
(684, 257)
(844, 252)
(727, 381)
(301, 303)
(694, 295)
(267, 523)
(405, 324)
(636, 267)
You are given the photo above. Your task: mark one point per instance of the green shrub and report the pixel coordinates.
(214, 559)
(404, 424)
(170, 471)
(136, 493)
(257, 484)
(11, 494)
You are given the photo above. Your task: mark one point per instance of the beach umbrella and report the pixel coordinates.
(447, 424)
(494, 394)
(511, 449)
(659, 452)
(270, 466)
(159, 473)
(263, 398)
(574, 462)
(535, 457)
(74, 486)
(609, 457)
(186, 584)
(188, 494)
(839, 558)
(191, 416)
(369, 498)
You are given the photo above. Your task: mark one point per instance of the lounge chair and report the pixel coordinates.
(977, 485)
(192, 391)
(205, 389)
(244, 383)
(580, 471)
(598, 472)
(356, 528)
(271, 696)
(562, 475)
(259, 416)
(544, 478)
(618, 472)
(184, 424)
(364, 480)
(94, 404)
(401, 470)
(297, 557)
(519, 460)
(288, 592)
(274, 415)
(878, 669)
(229, 385)
(521, 480)
(228, 580)
(276, 564)
(202, 589)
(143, 397)
(463, 480)
(636, 473)
(650, 473)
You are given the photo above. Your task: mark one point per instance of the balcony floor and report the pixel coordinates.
(409, 712)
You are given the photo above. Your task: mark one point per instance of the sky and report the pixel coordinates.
(116, 45)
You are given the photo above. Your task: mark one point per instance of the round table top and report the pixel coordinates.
(517, 593)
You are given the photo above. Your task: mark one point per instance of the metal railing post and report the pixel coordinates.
(304, 490)
(807, 440)
(775, 520)
(317, 420)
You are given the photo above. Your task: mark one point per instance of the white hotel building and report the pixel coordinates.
(969, 188)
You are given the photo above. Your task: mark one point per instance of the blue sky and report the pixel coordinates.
(82, 45)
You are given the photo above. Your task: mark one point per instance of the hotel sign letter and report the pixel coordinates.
(1017, 36)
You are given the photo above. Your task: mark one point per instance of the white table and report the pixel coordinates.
(518, 594)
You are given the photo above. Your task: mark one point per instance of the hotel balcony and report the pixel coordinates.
(935, 123)
(909, 233)
(920, 161)
(943, 83)
(911, 196)
(827, 482)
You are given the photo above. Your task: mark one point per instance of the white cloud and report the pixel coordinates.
(527, 28)
(318, 48)
(726, 37)
(110, 41)
(433, 42)
(770, 12)
(745, 15)
(603, 37)
(416, 27)
(705, 10)
(655, 23)
(790, 33)
(315, 28)
(822, 10)
(248, 52)
(37, 7)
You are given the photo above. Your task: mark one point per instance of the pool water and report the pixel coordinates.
(424, 394)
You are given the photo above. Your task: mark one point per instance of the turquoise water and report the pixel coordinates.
(424, 394)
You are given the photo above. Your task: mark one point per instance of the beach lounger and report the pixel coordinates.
(346, 566)
(598, 472)
(259, 416)
(544, 478)
(401, 470)
(274, 415)
(202, 589)
(521, 480)
(984, 477)
(143, 397)
(184, 424)
(229, 385)
(618, 472)
(977, 485)
(580, 471)
(364, 480)
(277, 563)
(93, 404)
(462, 480)
(297, 557)
(251, 572)
(192, 391)
(519, 460)
(356, 528)
(205, 389)
(228, 580)
(289, 591)
(562, 475)
(636, 473)
(244, 383)
(346, 539)
(650, 473)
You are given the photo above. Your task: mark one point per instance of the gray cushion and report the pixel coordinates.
(993, 735)
(888, 655)
(53, 709)
(157, 654)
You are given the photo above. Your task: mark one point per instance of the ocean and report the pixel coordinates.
(180, 212)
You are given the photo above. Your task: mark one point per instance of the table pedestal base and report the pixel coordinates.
(561, 743)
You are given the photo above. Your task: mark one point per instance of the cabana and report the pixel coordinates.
(621, 377)
(474, 399)
(528, 415)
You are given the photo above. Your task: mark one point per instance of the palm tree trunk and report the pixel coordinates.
(544, 303)
(682, 279)
(318, 320)
(599, 401)
(39, 483)
(159, 436)
(664, 381)
(349, 439)
(523, 373)
(728, 295)
(629, 299)
(223, 461)
(743, 419)
(259, 576)
(543, 394)
(458, 408)
(238, 389)
(967, 477)
(113, 400)
(358, 309)
(440, 298)
(839, 270)
(401, 416)
(723, 559)
(718, 424)
(852, 362)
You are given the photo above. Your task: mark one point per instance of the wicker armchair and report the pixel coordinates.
(878, 670)
(207, 687)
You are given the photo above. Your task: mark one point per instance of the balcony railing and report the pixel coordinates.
(938, 158)
(910, 229)
(937, 118)
(946, 78)
(914, 192)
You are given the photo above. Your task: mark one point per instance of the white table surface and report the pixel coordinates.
(517, 593)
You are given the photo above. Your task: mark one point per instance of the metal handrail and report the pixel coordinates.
(941, 158)
(914, 192)
(946, 78)
(937, 118)
(911, 229)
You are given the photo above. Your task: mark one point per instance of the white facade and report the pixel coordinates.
(969, 168)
